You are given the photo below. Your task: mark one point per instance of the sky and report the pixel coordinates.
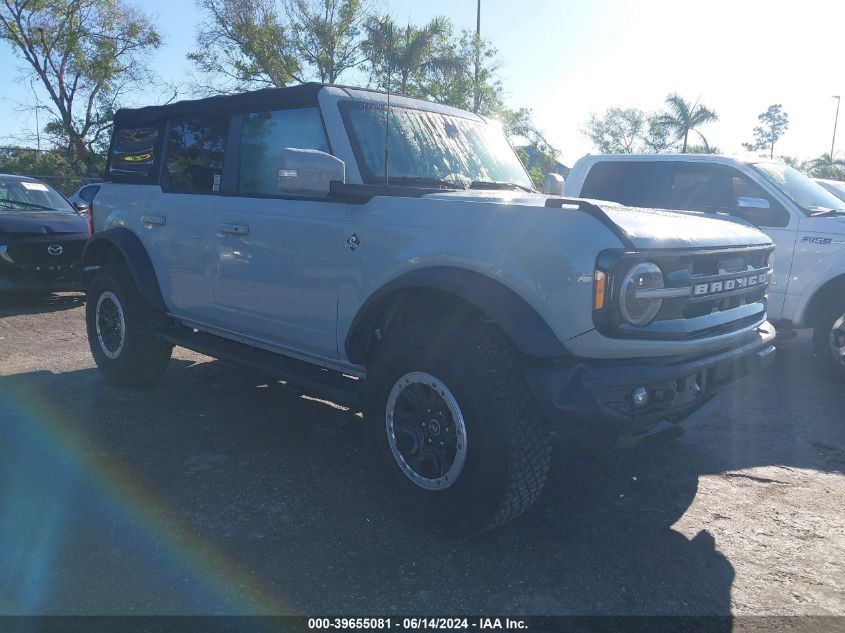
(566, 59)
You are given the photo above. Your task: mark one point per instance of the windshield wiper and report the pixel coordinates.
(492, 184)
(427, 182)
(30, 205)
(817, 214)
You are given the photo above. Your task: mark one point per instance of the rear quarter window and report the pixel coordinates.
(133, 153)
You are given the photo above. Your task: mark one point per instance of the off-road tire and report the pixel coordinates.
(143, 357)
(830, 313)
(507, 443)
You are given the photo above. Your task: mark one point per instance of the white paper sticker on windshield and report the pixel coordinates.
(34, 186)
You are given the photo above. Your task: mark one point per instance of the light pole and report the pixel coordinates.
(477, 92)
(835, 121)
(37, 126)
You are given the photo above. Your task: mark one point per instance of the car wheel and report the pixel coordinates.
(122, 329)
(458, 441)
(829, 337)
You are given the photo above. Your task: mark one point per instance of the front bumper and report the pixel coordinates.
(592, 399)
(44, 263)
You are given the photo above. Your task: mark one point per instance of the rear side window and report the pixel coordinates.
(133, 152)
(195, 150)
(630, 183)
(264, 135)
(88, 193)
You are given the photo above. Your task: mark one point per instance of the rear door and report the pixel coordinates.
(177, 221)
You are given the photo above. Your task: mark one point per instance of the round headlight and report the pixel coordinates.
(636, 308)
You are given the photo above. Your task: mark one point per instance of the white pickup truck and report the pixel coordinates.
(804, 220)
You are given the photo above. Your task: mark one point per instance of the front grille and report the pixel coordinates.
(34, 254)
(725, 292)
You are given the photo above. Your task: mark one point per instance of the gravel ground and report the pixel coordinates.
(218, 492)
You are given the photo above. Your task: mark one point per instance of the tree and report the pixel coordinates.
(826, 166)
(399, 55)
(794, 162)
(684, 117)
(703, 149)
(658, 138)
(243, 45)
(87, 54)
(52, 166)
(326, 35)
(619, 131)
(627, 131)
(774, 123)
(449, 75)
(533, 148)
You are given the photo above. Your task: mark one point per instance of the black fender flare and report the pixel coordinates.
(513, 314)
(133, 253)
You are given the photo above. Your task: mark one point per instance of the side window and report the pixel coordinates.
(775, 216)
(636, 184)
(717, 188)
(133, 152)
(702, 187)
(264, 135)
(89, 193)
(195, 151)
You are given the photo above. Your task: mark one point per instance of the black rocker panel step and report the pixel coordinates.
(326, 383)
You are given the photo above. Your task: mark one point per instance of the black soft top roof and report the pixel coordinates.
(256, 101)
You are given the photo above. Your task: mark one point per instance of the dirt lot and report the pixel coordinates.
(218, 492)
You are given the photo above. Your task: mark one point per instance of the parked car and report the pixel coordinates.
(467, 314)
(836, 187)
(805, 221)
(84, 196)
(41, 237)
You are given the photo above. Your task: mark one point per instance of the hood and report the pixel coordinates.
(643, 228)
(33, 222)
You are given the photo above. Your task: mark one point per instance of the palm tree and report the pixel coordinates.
(404, 51)
(684, 118)
(827, 166)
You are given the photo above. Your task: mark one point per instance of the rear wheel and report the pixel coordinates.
(122, 329)
(829, 337)
(457, 438)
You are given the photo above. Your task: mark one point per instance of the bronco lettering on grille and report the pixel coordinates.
(715, 287)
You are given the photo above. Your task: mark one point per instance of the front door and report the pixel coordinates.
(276, 256)
(276, 271)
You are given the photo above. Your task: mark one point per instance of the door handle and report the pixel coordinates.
(234, 229)
(149, 220)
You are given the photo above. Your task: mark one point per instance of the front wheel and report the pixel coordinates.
(122, 329)
(457, 437)
(829, 337)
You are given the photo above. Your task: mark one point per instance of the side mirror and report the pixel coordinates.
(752, 203)
(308, 171)
(553, 185)
(81, 207)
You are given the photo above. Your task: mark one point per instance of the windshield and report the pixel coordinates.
(835, 187)
(427, 147)
(803, 191)
(25, 195)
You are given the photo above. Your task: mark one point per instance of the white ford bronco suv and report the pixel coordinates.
(391, 255)
(804, 220)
